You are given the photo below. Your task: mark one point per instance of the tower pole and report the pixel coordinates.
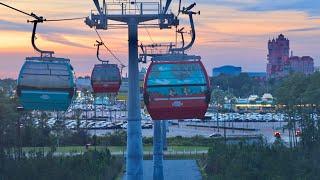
(164, 135)
(157, 151)
(134, 166)
(134, 157)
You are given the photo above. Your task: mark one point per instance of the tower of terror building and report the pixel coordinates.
(278, 55)
(281, 63)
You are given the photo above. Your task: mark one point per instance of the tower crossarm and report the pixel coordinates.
(152, 50)
(123, 11)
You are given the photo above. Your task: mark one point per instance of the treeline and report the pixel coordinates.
(239, 86)
(298, 97)
(293, 89)
(16, 165)
(299, 89)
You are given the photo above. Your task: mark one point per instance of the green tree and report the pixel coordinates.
(240, 86)
(8, 122)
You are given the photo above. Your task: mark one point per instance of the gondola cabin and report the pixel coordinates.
(105, 78)
(177, 90)
(46, 84)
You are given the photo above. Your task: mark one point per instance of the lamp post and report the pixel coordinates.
(20, 109)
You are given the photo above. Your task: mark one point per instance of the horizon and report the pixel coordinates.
(229, 32)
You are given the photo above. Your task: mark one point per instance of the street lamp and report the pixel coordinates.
(20, 109)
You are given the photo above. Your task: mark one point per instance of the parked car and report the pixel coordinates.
(215, 135)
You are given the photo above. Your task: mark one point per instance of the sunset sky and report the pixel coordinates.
(228, 32)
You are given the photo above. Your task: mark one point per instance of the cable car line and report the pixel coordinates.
(17, 10)
(40, 18)
(109, 50)
(149, 35)
(146, 29)
(65, 19)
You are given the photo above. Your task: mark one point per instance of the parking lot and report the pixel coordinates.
(104, 120)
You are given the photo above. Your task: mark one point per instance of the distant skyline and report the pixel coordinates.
(229, 32)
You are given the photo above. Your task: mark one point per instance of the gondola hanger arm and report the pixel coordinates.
(190, 13)
(98, 44)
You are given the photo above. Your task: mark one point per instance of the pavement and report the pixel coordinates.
(173, 170)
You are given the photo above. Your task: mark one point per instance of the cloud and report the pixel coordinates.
(309, 6)
(222, 41)
(58, 38)
(304, 29)
(41, 28)
(233, 3)
(7, 25)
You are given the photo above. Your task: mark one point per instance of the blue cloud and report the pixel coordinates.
(304, 29)
(7, 25)
(233, 3)
(58, 38)
(312, 7)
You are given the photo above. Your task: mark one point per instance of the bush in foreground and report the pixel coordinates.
(261, 162)
(92, 165)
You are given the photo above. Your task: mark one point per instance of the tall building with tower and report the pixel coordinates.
(281, 63)
(278, 54)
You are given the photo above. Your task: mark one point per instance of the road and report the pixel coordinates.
(173, 170)
(266, 129)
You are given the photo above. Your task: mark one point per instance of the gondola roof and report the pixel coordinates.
(176, 57)
(48, 59)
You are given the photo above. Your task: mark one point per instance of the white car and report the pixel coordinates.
(215, 135)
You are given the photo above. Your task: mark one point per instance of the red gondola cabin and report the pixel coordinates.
(105, 78)
(177, 90)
